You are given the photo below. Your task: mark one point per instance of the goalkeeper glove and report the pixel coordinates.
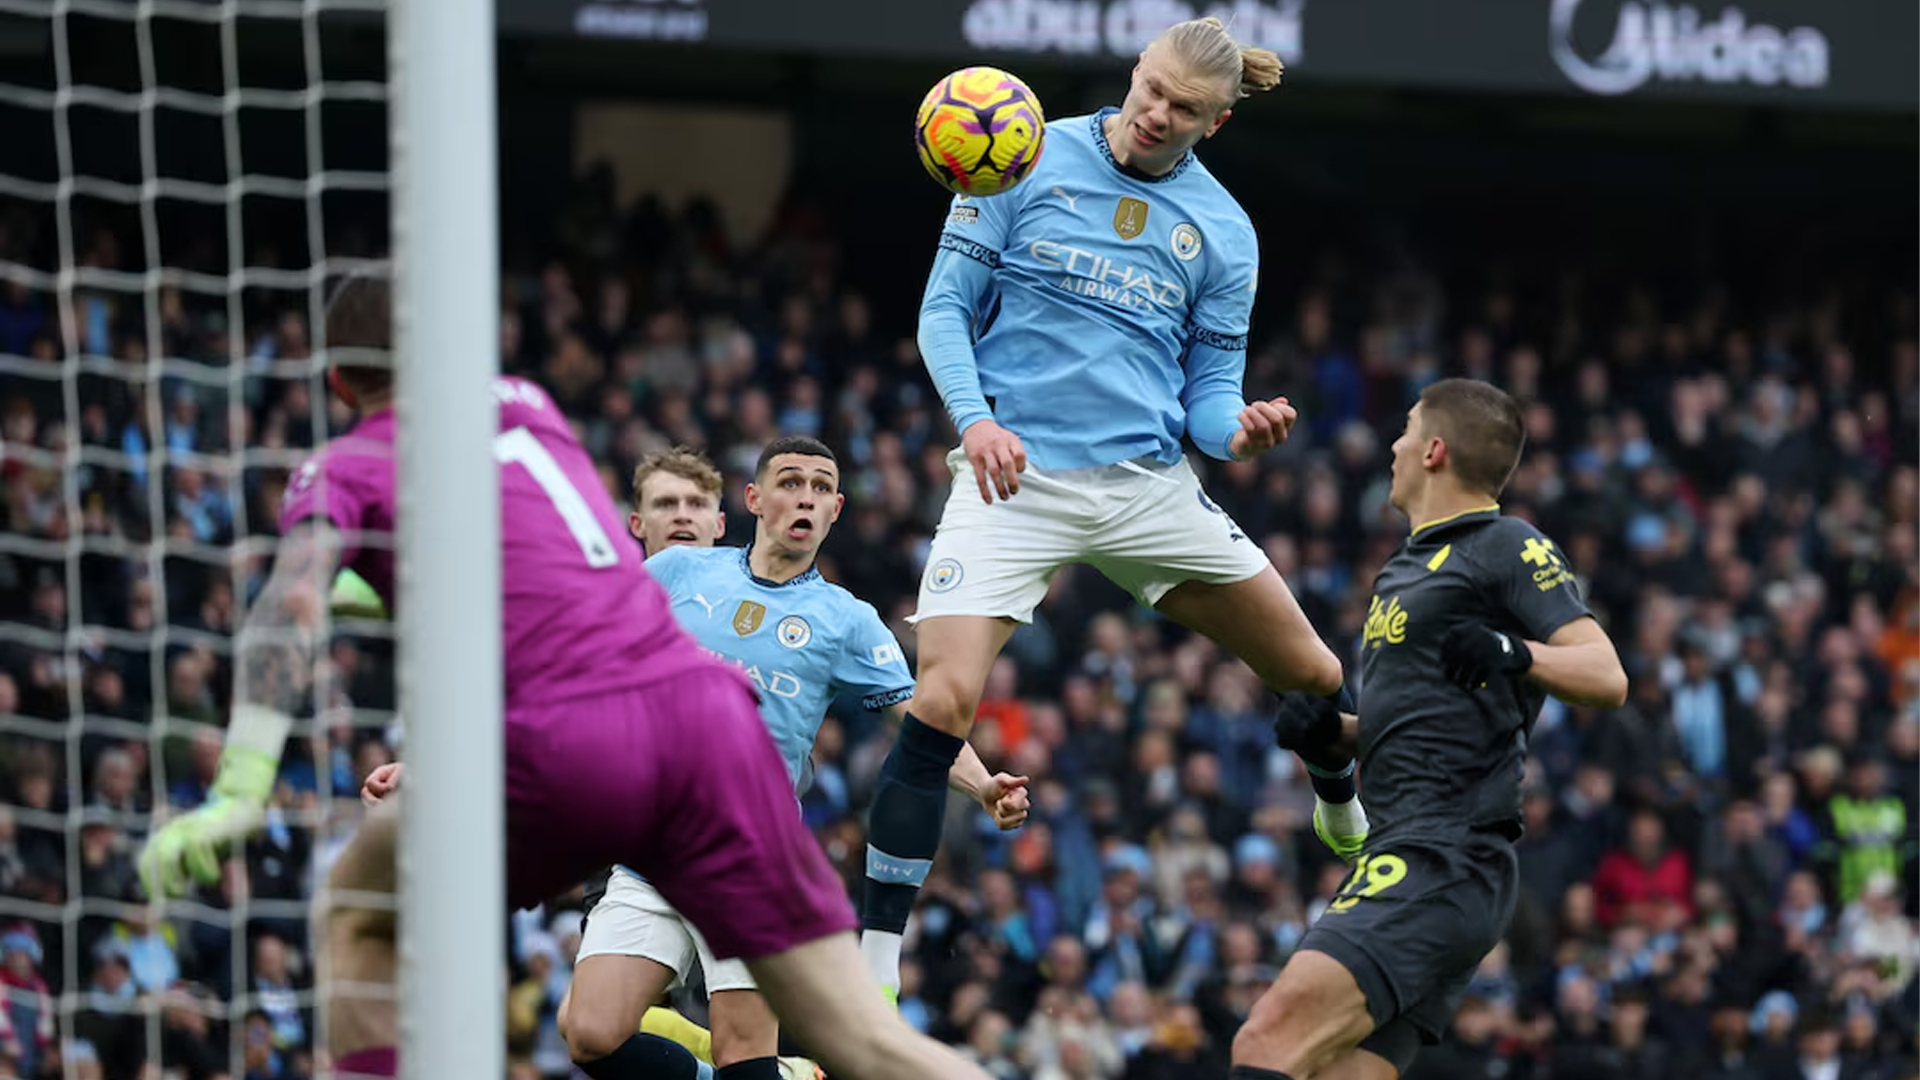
(353, 598)
(189, 848)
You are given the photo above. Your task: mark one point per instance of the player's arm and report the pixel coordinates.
(276, 644)
(1001, 795)
(962, 273)
(1220, 420)
(963, 269)
(1579, 665)
(274, 662)
(1560, 646)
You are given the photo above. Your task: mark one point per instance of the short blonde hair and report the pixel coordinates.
(1208, 50)
(681, 461)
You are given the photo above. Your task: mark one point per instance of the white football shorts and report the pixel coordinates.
(633, 919)
(1146, 525)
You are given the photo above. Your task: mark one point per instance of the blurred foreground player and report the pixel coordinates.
(1078, 327)
(614, 717)
(802, 641)
(1473, 622)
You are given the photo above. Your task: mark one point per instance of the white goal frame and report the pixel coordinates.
(452, 873)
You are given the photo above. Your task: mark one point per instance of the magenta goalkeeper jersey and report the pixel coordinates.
(581, 614)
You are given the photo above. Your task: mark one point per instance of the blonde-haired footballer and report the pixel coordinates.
(1080, 327)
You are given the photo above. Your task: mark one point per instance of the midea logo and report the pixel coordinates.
(1675, 43)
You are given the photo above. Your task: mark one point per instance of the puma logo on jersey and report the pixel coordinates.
(706, 603)
(1071, 200)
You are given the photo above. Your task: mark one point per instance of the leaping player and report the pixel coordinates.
(802, 640)
(614, 716)
(1077, 328)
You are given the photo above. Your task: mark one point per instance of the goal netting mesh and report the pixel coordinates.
(180, 183)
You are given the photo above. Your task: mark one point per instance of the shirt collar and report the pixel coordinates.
(811, 573)
(1099, 127)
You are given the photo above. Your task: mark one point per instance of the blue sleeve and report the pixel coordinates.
(970, 246)
(1212, 397)
(1217, 345)
(871, 663)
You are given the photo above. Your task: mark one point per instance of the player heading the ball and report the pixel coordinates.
(1079, 327)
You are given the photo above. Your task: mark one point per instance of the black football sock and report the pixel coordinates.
(764, 1068)
(644, 1057)
(903, 828)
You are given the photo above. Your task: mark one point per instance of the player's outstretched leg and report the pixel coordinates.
(1313, 1015)
(632, 948)
(356, 917)
(728, 851)
(600, 1019)
(1259, 621)
(823, 994)
(956, 653)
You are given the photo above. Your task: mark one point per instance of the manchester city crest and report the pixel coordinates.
(1186, 242)
(943, 575)
(794, 632)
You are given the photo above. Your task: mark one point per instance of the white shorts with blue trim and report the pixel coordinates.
(1147, 526)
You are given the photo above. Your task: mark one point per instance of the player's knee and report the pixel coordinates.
(592, 1034)
(1318, 672)
(944, 699)
(1273, 1036)
(1324, 671)
(1305, 1020)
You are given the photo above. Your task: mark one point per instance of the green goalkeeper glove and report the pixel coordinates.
(352, 597)
(193, 845)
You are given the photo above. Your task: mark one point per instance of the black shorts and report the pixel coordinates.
(1411, 924)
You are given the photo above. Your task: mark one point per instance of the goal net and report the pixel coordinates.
(182, 182)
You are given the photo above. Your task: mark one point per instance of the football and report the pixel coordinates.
(979, 131)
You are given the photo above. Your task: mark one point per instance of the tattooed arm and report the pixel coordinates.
(275, 653)
(278, 644)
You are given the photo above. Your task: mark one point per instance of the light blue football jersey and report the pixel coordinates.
(802, 642)
(1117, 305)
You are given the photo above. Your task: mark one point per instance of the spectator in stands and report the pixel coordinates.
(1636, 883)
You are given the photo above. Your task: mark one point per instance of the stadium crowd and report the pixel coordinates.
(1718, 876)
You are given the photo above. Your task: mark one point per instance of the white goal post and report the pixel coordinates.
(445, 215)
(170, 156)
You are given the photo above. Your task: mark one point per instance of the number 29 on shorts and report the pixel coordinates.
(1372, 875)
